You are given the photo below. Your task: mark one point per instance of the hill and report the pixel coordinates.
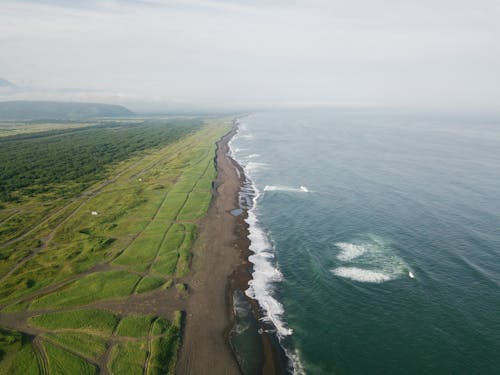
(44, 110)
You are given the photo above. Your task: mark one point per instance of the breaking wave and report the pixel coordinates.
(265, 274)
(300, 189)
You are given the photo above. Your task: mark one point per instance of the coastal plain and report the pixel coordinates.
(94, 275)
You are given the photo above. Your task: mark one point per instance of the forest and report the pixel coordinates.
(32, 163)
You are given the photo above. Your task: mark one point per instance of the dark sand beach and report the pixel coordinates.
(220, 266)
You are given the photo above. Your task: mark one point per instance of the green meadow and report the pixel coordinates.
(81, 251)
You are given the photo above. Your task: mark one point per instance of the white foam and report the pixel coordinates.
(264, 272)
(363, 275)
(254, 166)
(301, 189)
(370, 260)
(349, 251)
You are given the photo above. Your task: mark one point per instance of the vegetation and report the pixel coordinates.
(85, 319)
(134, 326)
(35, 162)
(16, 354)
(76, 257)
(84, 344)
(128, 357)
(163, 349)
(94, 287)
(149, 283)
(61, 361)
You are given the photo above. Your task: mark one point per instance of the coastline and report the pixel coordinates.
(220, 266)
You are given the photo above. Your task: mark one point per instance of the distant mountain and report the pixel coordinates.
(6, 84)
(41, 110)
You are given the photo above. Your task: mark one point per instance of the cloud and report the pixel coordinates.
(255, 53)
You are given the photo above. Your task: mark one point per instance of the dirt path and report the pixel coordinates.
(205, 349)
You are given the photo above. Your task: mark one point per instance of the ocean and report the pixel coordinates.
(376, 238)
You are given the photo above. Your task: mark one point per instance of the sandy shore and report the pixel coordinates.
(220, 266)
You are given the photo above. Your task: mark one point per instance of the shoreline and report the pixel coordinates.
(220, 266)
(275, 361)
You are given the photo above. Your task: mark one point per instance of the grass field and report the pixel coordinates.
(122, 233)
(90, 320)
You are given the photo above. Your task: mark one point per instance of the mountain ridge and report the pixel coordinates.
(57, 110)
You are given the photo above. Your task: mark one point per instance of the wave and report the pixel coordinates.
(254, 166)
(265, 274)
(371, 260)
(301, 189)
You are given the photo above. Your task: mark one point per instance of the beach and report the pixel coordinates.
(220, 266)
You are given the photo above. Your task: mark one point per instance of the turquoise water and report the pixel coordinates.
(377, 239)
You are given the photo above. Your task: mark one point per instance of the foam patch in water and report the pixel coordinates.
(350, 251)
(360, 274)
(371, 260)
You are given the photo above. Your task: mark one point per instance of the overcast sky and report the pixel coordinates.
(244, 54)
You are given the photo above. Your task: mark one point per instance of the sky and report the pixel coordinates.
(221, 54)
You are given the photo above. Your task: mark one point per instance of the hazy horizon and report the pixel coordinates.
(154, 55)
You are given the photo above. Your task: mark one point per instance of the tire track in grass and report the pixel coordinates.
(148, 351)
(41, 355)
(110, 343)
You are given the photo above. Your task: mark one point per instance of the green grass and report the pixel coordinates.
(90, 320)
(93, 287)
(185, 250)
(139, 255)
(16, 354)
(63, 362)
(134, 326)
(172, 205)
(149, 283)
(196, 206)
(168, 254)
(20, 362)
(127, 358)
(85, 344)
(160, 327)
(164, 349)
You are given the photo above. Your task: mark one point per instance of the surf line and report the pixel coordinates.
(264, 274)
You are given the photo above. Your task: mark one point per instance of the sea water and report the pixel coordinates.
(376, 239)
